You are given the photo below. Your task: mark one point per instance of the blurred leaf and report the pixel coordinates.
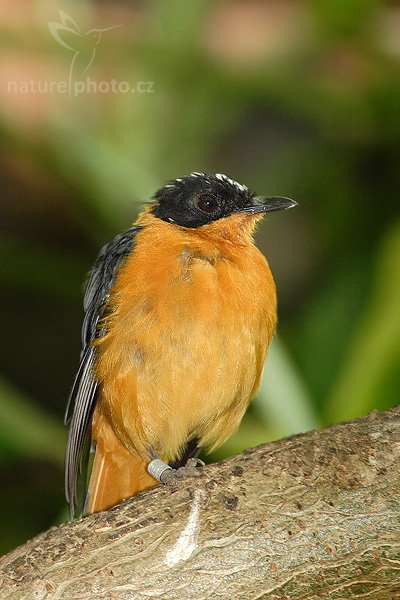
(283, 398)
(252, 432)
(113, 181)
(178, 23)
(374, 356)
(321, 333)
(28, 429)
(344, 17)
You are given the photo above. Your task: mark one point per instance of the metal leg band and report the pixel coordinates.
(157, 468)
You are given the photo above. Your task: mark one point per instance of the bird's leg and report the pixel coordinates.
(160, 470)
(166, 474)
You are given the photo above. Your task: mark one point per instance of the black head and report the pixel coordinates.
(201, 198)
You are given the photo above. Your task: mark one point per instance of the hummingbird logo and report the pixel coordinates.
(83, 45)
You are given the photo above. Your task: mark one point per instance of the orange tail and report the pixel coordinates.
(116, 474)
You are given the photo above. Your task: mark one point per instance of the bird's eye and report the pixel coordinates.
(207, 203)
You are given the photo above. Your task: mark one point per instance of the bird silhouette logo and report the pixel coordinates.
(83, 45)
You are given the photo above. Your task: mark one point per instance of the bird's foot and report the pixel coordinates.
(166, 474)
(189, 470)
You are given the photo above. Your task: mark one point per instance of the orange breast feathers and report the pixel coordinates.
(189, 321)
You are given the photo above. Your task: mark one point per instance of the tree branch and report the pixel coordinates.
(312, 516)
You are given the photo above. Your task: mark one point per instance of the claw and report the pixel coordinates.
(193, 462)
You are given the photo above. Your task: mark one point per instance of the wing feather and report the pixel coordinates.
(83, 397)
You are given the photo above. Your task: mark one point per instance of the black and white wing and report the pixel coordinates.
(84, 392)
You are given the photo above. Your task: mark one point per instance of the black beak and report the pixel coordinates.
(263, 204)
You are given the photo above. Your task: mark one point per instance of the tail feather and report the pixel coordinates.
(116, 475)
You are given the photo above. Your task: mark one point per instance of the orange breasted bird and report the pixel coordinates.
(179, 313)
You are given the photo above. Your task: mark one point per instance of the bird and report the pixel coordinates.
(179, 312)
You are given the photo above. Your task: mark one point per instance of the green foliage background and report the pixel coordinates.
(292, 98)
